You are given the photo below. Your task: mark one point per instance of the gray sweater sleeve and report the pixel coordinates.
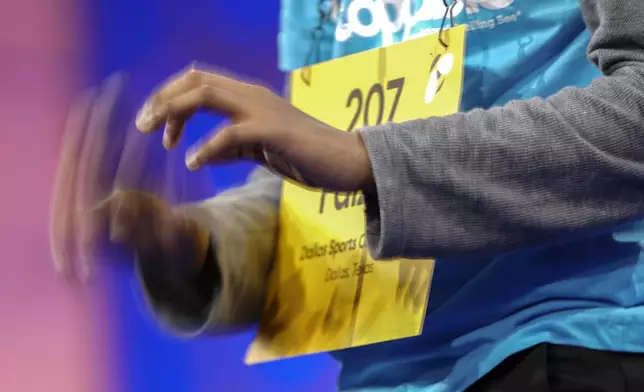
(526, 174)
(242, 223)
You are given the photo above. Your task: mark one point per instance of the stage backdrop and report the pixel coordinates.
(152, 39)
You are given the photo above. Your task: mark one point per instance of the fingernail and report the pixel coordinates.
(59, 265)
(192, 161)
(167, 142)
(145, 118)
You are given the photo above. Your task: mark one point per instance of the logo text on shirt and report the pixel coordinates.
(405, 19)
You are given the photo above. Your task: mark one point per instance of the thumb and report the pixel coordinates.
(120, 214)
(132, 214)
(124, 215)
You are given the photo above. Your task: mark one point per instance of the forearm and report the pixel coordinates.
(525, 174)
(241, 226)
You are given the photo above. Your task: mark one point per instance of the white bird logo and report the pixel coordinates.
(441, 66)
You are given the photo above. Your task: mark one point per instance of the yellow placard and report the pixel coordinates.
(325, 292)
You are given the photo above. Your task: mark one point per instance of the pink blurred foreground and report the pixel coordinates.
(49, 339)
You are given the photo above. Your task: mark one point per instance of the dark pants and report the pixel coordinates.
(553, 368)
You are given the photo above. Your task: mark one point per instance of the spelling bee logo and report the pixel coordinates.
(352, 21)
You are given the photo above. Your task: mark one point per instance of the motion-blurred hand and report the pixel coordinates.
(97, 196)
(265, 129)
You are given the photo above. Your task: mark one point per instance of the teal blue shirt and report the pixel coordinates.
(586, 293)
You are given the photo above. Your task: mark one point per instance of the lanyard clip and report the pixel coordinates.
(449, 10)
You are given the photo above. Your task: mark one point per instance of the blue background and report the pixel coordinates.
(151, 40)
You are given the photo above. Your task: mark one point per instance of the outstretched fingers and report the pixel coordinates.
(190, 91)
